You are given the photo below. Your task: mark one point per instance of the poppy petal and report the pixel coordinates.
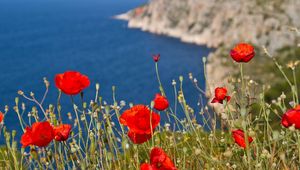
(138, 138)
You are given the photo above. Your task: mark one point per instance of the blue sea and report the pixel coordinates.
(40, 38)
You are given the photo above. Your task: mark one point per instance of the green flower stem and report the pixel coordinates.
(59, 107)
(244, 116)
(158, 79)
(151, 128)
(295, 91)
(20, 119)
(298, 135)
(286, 78)
(162, 89)
(78, 123)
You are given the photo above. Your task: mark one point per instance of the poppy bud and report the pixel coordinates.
(156, 57)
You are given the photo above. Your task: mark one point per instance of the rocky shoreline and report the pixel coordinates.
(220, 24)
(214, 23)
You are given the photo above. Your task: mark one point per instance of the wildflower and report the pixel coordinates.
(239, 138)
(291, 65)
(220, 95)
(62, 132)
(156, 57)
(71, 82)
(242, 52)
(139, 138)
(291, 117)
(146, 166)
(159, 160)
(1, 117)
(39, 134)
(137, 119)
(160, 102)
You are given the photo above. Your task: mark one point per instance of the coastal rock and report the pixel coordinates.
(221, 24)
(214, 22)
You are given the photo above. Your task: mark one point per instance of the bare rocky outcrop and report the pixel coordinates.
(220, 23)
(216, 22)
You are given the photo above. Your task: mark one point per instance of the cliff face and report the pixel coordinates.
(221, 24)
(216, 22)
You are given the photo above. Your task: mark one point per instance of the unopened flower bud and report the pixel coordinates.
(97, 86)
(31, 94)
(181, 78)
(173, 82)
(20, 92)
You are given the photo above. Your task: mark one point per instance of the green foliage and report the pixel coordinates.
(10, 158)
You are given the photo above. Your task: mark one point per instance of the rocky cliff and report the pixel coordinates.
(217, 22)
(221, 24)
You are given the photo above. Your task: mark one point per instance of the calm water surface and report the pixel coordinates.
(42, 38)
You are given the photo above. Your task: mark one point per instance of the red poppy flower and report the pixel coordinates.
(137, 119)
(39, 134)
(220, 95)
(71, 82)
(160, 102)
(146, 166)
(156, 57)
(139, 138)
(1, 117)
(239, 138)
(242, 52)
(159, 160)
(291, 117)
(62, 132)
